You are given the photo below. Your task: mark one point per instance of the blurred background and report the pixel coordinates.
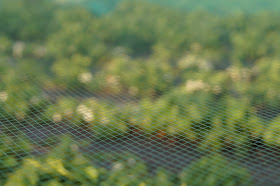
(165, 92)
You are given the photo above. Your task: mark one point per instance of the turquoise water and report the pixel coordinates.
(217, 6)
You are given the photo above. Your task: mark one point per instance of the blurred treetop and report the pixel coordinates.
(216, 6)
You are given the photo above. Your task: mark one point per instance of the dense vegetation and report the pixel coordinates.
(65, 165)
(142, 69)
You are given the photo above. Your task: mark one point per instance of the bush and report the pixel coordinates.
(215, 170)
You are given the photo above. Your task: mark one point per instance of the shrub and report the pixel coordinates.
(215, 170)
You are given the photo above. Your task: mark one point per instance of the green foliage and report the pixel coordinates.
(13, 149)
(272, 132)
(63, 110)
(165, 75)
(71, 168)
(66, 165)
(182, 69)
(204, 171)
(34, 14)
(216, 6)
(101, 118)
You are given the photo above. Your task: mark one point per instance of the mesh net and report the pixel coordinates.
(147, 116)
